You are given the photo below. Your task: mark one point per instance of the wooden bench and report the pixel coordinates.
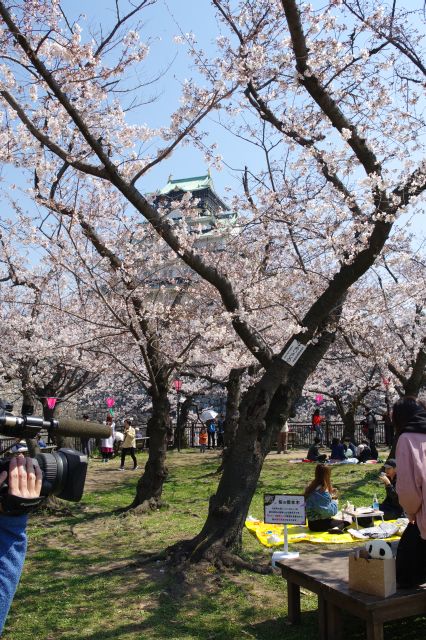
(326, 574)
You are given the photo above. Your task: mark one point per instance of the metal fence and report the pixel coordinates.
(300, 435)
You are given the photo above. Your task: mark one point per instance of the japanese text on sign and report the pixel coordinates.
(284, 509)
(293, 353)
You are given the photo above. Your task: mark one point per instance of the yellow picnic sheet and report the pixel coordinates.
(272, 535)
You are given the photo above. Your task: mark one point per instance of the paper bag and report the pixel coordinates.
(376, 577)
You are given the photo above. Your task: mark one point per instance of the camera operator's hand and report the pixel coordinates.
(25, 479)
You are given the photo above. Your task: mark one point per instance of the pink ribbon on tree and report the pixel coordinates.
(110, 403)
(319, 398)
(51, 402)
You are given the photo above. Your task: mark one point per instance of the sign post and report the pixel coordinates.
(284, 509)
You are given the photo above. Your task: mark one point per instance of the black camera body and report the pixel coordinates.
(64, 473)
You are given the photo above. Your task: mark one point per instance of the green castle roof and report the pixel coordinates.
(187, 184)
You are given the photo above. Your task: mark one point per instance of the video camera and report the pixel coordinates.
(64, 471)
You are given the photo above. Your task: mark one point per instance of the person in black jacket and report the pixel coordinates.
(390, 505)
(314, 454)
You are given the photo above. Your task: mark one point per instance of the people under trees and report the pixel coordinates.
(352, 163)
(314, 454)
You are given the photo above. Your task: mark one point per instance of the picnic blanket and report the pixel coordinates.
(272, 535)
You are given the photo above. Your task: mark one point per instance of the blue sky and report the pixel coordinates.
(162, 22)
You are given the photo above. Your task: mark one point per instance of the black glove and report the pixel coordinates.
(17, 506)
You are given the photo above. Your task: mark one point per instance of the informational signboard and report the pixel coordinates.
(293, 353)
(284, 508)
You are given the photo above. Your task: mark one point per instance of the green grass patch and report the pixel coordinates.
(80, 581)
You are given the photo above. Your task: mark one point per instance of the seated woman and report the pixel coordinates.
(313, 452)
(337, 450)
(364, 452)
(320, 502)
(350, 448)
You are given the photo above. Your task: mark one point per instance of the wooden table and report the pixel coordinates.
(359, 513)
(326, 574)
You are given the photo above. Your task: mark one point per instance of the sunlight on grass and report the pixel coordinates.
(81, 578)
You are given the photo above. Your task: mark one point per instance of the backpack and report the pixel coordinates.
(211, 428)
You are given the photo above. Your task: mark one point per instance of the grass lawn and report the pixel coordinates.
(79, 580)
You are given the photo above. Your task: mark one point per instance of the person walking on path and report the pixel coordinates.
(282, 439)
(129, 444)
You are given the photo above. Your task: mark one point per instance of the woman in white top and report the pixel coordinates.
(107, 444)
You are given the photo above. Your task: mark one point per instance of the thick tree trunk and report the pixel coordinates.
(413, 385)
(178, 437)
(348, 419)
(233, 398)
(233, 388)
(264, 406)
(150, 486)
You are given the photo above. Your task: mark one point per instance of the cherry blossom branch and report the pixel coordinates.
(405, 48)
(46, 141)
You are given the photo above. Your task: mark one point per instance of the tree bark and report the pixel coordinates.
(233, 388)
(348, 419)
(263, 407)
(417, 379)
(150, 486)
(178, 437)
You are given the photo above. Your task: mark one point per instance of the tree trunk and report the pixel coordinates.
(263, 407)
(417, 379)
(233, 388)
(348, 418)
(178, 437)
(60, 441)
(27, 409)
(150, 485)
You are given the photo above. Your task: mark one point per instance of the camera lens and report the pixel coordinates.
(53, 466)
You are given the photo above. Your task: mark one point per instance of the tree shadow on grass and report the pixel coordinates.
(412, 628)
(281, 628)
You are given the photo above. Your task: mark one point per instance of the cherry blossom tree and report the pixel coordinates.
(41, 352)
(145, 314)
(343, 147)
